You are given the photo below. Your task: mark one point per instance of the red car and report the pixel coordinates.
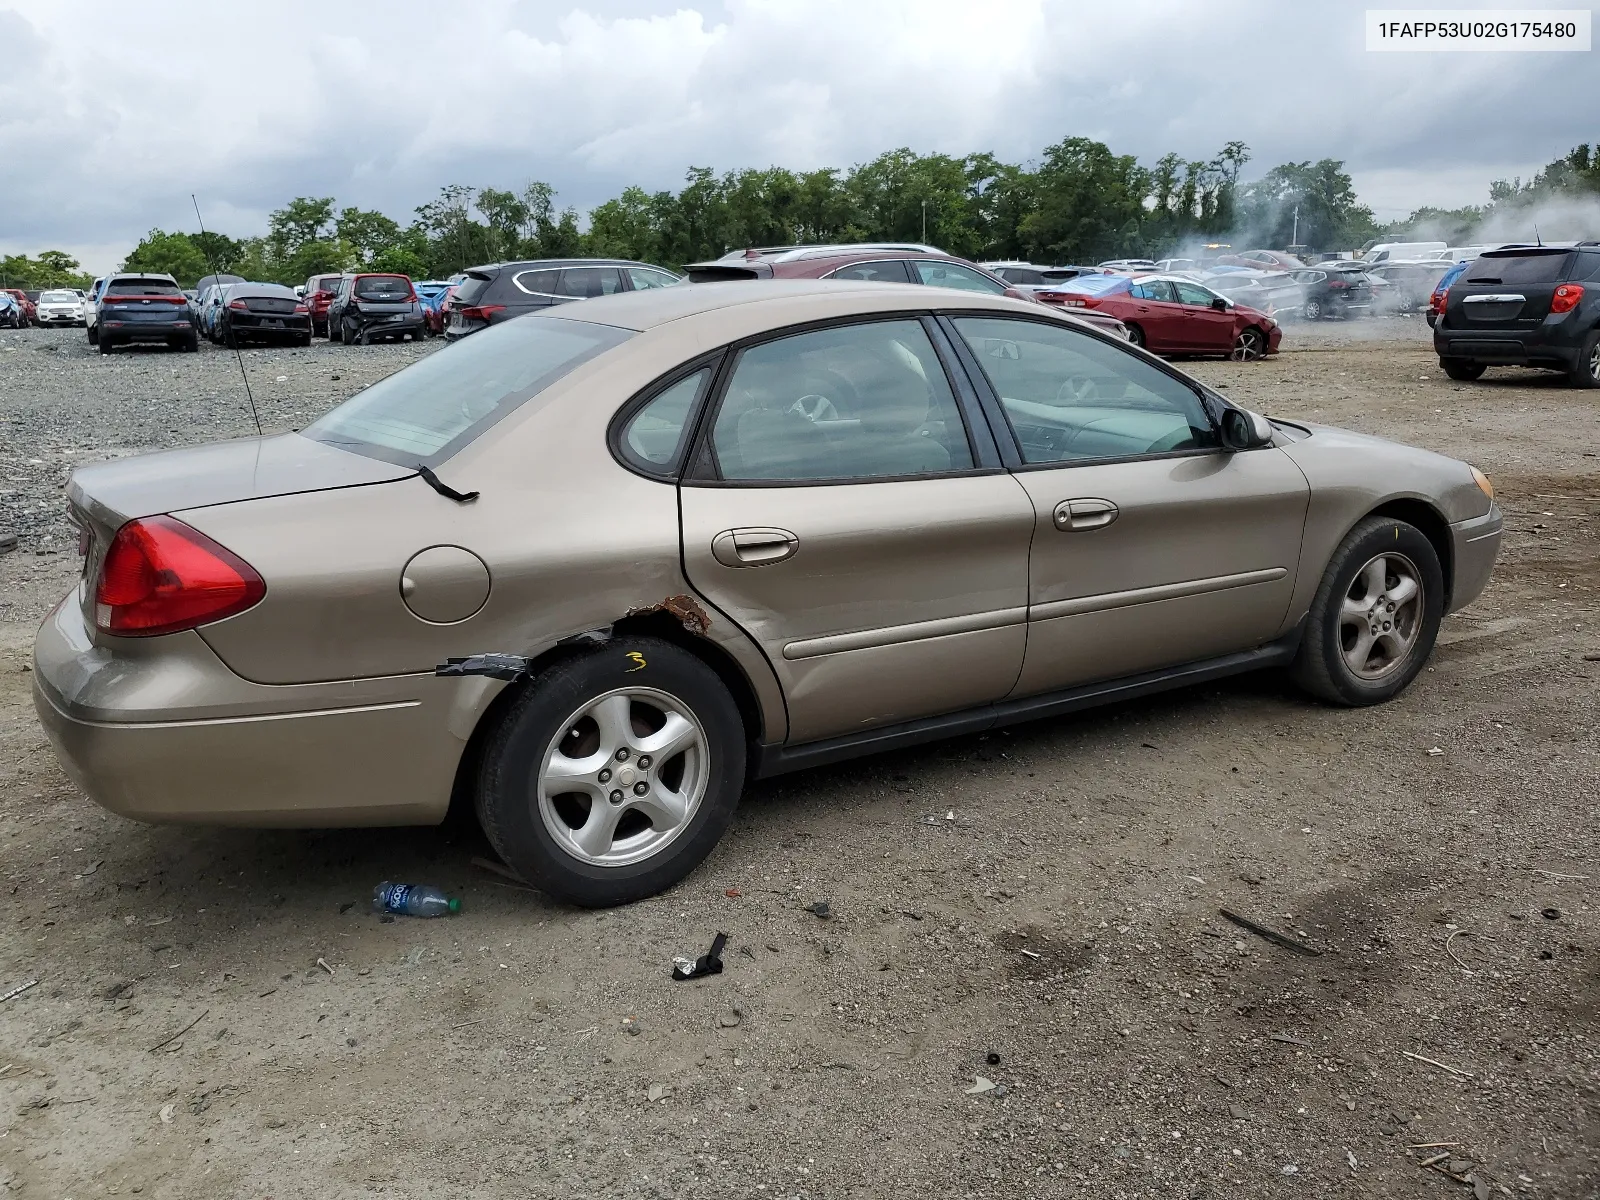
(1169, 314)
(875, 263)
(320, 291)
(1263, 260)
(30, 314)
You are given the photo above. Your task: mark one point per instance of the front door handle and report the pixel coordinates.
(753, 547)
(1076, 516)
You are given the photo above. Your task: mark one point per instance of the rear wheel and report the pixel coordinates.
(1460, 368)
(1585, 372)
(1313, 310)
(92, 332)
(614, 774)
(1135, 336)
(189, 344)
(106, 345)
(303, 340)
(1376, 614)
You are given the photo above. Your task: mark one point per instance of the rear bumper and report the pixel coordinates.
(1556, 343)
(1474, 546)
(147, 331)
(262, 326)
(165, 732)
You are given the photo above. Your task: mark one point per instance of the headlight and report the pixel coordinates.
(1482, 480)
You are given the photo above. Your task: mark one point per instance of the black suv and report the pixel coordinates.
(1334, 289)
(500, 291)
(1525, 306)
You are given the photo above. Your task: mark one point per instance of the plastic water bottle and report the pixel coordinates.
(413, 900)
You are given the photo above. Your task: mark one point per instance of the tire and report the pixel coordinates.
(1313, 310)
(1348, 611)
(1460, 368)
(1249, 346)
(189, 345)
(1585, 372)
(333, 331)
(1135, 336)
(348, 334)
(106, 345)
(535, 830)
(303, 341)
(93, 334)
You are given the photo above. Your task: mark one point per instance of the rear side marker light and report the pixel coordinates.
(1567, 297)
(162, 576)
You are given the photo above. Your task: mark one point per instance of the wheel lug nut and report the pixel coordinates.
(616, 797)
(605, 774)
(640, 788)
(622, 755)
(644, 762)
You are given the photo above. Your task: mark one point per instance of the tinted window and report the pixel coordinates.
(857, 402)
(954, 275)
(142, 287)
(1520, 268)
(1192, 293)
(582, 282)
(1588, 265)
(472, 287)
(654, 434)
(443, 401)
(647, 277)
(536, 283)
(383, 287)
(1154, 289)
(1019, 274)
(1071, 397)
(889, 271)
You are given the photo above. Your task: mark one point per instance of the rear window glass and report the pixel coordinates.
(384, 286)
(1519, 268)
(325, 283)
(142, 287)
(472, 287)
(432, 408)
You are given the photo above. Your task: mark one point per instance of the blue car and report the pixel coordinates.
(1442, 288)
(432, 293)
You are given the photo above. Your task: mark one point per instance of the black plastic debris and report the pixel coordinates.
(510, 667)
(709, 963)
(820, 908)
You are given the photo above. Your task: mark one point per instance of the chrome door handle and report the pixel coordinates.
(1076, 516)
(753, 547)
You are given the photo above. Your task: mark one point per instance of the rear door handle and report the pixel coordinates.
(1077, 516)
(753, 547)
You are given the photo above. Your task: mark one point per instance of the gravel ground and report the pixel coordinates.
(1037, 909)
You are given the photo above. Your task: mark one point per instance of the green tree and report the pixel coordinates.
(1090, 204)
(165, 253)
(1330, 217)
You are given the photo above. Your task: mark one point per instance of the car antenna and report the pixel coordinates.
(239, 354)
(1538, 241)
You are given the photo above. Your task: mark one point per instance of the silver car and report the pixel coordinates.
(598, 567)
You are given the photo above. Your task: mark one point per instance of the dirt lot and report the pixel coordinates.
(1049, 896)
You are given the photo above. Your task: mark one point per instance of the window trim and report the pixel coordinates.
(702, 468)
(1208, 402)
(716, 360)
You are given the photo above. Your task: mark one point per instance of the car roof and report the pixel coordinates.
(266, 289)
(788, 301)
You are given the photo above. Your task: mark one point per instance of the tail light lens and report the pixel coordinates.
(162, 576)
(1566, 298)
(238, 305)
(1436, 302)
(480, 312)
(300, 308)
(147, 299)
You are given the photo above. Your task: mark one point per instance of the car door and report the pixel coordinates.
(852, 516)
(1205, 327)
(1155, 310)
(1153, 547)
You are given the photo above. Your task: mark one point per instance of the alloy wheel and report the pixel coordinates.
(1248, 346)
(624, 777)
(1382, 616)
(1594, 362)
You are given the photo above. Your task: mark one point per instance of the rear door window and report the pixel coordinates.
(429, 410)
(888, 271)
(935, 273)
(580, 283)
(1548, 267)
(1154, 289)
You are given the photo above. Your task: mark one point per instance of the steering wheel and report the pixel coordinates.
(815, 408)
(1077, 390)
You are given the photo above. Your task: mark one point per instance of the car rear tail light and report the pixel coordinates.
(238, 305)
(1337, 283)
(300, 308)
(162, 576)
(150, 299)
(1436, 301)
(480, 312)
(1566, 298)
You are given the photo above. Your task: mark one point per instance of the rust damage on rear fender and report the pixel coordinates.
(685, 610)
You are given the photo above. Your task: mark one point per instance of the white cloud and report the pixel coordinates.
(111, 115)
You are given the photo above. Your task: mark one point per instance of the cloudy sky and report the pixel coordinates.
(112, 114)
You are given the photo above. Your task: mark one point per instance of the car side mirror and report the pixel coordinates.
(1245, 430)
(1218, 303)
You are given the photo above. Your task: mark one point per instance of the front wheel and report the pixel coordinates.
(1250, 345)
(1460, 368)
(1376, 614)
(614, 774)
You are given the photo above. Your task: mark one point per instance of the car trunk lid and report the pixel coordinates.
(1507, 290)
(102, 497)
